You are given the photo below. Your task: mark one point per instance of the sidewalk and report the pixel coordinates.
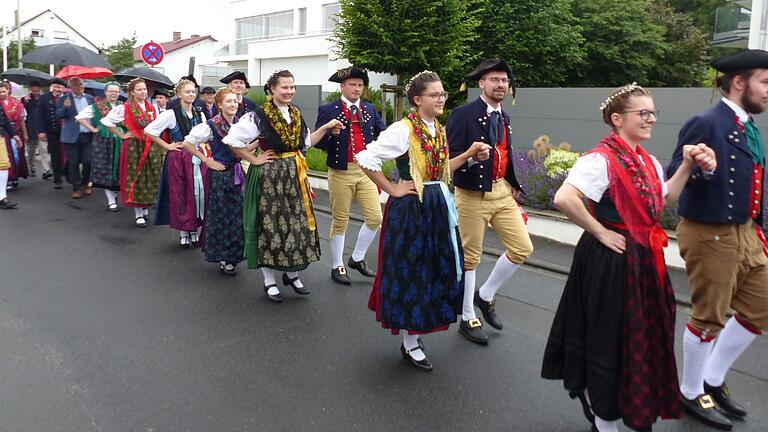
(548, 254)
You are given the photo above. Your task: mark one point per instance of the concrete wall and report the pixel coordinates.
(308, 100)
(573, 115)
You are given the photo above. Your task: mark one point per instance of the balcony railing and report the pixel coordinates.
(731, 26)
(241, 45)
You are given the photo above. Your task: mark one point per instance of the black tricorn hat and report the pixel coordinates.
(488, 66)
(742, 60)
(190, 78)
(233, 76)
(162, 91)
(208, 90)
(57, 81)
(350, 72)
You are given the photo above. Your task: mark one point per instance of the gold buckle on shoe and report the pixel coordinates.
(706, 401)
(474, 323)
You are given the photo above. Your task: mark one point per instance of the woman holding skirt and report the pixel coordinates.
(105, 158)
(223, 238)
(279, 220)
(180, 198)
(140, 161)
(419, 281)
(612, 339)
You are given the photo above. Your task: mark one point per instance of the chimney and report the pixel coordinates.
(195, 36)
(176, 36)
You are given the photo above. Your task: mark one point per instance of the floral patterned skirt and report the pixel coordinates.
(105, 165)
(223, 224)
(277, 230)
(416, 286)
(139, 181)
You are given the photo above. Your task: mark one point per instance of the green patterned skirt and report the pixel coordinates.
(277, 229)
(139, 175)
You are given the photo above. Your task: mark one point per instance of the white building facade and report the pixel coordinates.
(47, 28)
(178, 52)
(290, 34)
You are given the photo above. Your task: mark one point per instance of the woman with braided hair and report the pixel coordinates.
(280, 229)
(612, 339)
(140, 161)
(105, 150)
(180, 197)
(419, 282)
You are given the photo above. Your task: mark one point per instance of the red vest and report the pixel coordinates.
(502, 153)
(356, 139)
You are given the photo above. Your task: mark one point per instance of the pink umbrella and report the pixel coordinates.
(84, 72)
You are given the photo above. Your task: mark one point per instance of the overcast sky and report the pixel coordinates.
(115, 19)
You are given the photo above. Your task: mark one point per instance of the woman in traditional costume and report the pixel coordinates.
(612, 339)
(419, 281)
(140, 161)
(223, 237)
(280, 229)
(105, 165)
(180, 199)
(16, 113)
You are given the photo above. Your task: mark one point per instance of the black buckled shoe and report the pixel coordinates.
(300, 290)
(473, 330)
(277, 298)
(724, 401)
(489, 311)
(7, 204)
(227, 269)
(705, 409)
(424, 364)
(360, 267)
(339, 275)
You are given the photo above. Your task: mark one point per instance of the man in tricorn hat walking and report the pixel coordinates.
(346, 181)
(486, 193)
(238, 83)
(721, 238)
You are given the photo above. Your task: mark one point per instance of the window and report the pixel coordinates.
(37, 33)
(61, 35)
(262, 26)
(302, 21)
(329, 16)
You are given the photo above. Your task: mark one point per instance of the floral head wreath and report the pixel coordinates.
(408, 84)
(624, 90)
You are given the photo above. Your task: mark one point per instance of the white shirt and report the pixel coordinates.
(245, 131)
(116, 115)
(590, 176)
(81, 103)
(740, 112)
(87, 113)
(165, 120)
(349, 104)
(392, 143)
(200, 134)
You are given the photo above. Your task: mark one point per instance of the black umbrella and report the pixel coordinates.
(65, 54)
(26, 76)
(145, 73)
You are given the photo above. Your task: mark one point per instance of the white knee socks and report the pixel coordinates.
(3, 183)
(468, 308)
(364, 239)
(337, 250)
(502, 271)
(410, 342)
(730, 344)
(297, 282)
(138, 212)
(695, 354)
(111, 196)
(269, 279)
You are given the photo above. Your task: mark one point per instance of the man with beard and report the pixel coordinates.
(486, 193)
(49, 127)
(721, 223)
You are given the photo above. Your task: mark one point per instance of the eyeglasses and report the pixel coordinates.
(497, 80)
(437, 96)
(645, 114)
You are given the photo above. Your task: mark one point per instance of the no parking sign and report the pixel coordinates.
(152, 53)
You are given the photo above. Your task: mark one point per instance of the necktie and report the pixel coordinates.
(353, 113)
(496, 128)
(755, 143)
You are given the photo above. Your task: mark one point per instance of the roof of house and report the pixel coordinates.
(171, 46)
(23, 23)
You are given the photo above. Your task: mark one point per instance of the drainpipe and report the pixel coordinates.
(758, 24)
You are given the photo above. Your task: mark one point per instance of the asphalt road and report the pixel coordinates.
(109, 327)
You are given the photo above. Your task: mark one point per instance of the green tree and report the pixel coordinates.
(403, 37)
(541, 41)
(622, 42)
(27, 45)
(685, 63)
(120, 54)
(702, 12)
